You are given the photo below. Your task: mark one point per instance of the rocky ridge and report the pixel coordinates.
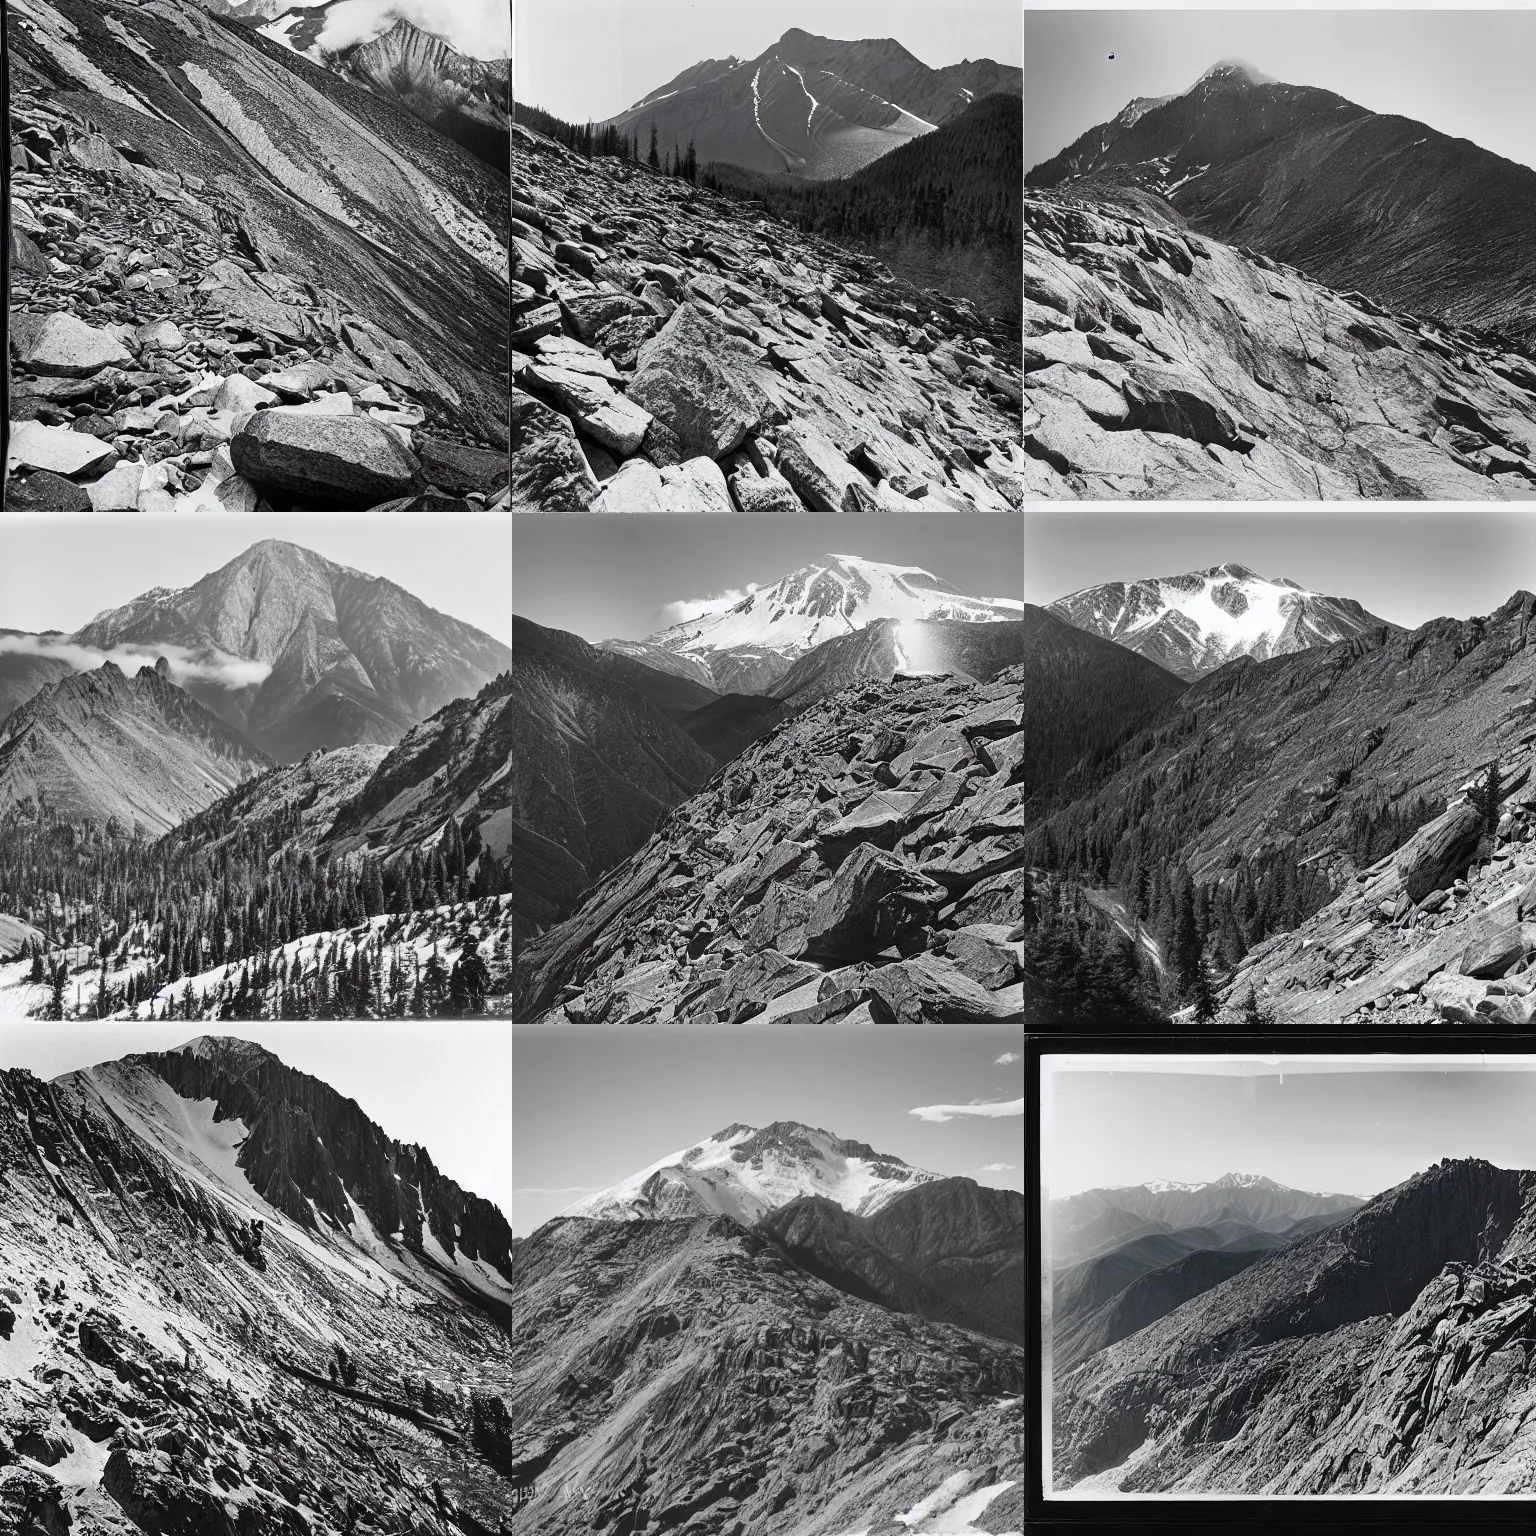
(854, 863)
(688, 1373)
(1384, 1355)
(677, 351)
(1160, 363)
(101, 747)
(181, 1354)
(208, 231)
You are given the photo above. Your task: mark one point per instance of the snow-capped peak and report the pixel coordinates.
(1236, 71)
(745, 1172)
(833, 596)
(1198, 621)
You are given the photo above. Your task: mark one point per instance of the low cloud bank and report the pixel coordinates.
(480, 28)
(186, 666)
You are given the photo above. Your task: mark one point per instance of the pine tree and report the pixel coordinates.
(653, 159)
(1206, 1006)
(1487, 797)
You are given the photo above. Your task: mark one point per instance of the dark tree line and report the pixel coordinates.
(592, 140)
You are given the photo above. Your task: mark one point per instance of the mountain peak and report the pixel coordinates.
(1234, 72)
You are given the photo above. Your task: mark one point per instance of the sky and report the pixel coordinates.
(58, 572)
(590, 59)
(592, 1106)
(1464, 72)
(1405, 566)
(444, 1085)
(1311, 1125)
(614, 578)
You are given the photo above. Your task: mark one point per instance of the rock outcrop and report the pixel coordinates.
(1159, 363)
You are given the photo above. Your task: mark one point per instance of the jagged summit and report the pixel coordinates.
(745, 1171)
(1234, 72)
(1200, 620)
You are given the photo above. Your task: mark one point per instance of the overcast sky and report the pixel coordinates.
(443, 1085)
(1464, 72)
(612, 578)
(59, 572)
(590, 59)
(1405, 566)
(1314, 1127)
(592, 1106)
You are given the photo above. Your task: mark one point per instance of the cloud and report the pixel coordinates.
(186, 666)
(1007, 1059)
(480, 28)
(992, 1168)
(937, 1114)
(687, 609)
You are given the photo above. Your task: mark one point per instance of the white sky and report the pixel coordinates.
(1353, 1130)
(442, 1084)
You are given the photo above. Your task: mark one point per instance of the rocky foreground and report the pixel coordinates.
(1160, 364)
(215, 295)
(857, 864)
(676, 351)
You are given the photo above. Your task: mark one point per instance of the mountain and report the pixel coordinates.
(858, 862)
(232, 1289)
(744, 1172)
(1413, 217)
(1142, 382)
(225, 206)
(298, 652)
(464, 98)
(1194, 623)
(677, 350)
(1082, 1225)
(25, 672)
(690, 1371)
(1283, 1376)
(598, 764)
(750, 646)
(809, 105)
(99, 747)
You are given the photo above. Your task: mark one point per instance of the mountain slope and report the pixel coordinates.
(209, 1244)
(597, 765)
(1415, 218)
(1284, 1376)
(811, 105)
(857, 862)
(689, 1370)
(1140, 383)
(1194, 623)
(748, 647)
(99, 746)
(336, 656)
(745, 1172)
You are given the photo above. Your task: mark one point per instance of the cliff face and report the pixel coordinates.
(1277, 1376)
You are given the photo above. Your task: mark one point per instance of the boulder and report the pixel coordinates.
(158, 1497)
(592, 402)
(548, 470)
(591, 313)
(694, 486)
(239, 394)
(1492, 954)
(453, 467)
(763, 493)
(821, 476)
(118, 489)
(1454, 998)
(1175, 400)
(64, 347)
(690, 377)
(346, 461)
(976, 952)
(1439, 852)
(874, 897)
(61, 450)
(32, 1503)
(159, 336)
(930, 989)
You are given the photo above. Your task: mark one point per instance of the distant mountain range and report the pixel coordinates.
(1194, 623)
(812, 106)
(1415, 218)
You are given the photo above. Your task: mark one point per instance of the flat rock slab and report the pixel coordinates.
(691, 378)
(698, 485)
(59, 449)
(821, 476)
(63, 347)
(593, 403)
(339, 460)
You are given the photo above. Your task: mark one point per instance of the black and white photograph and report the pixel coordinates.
(243, 777)
(1288, 1277)
(1279, 769)
(256, 1282)
(765, 257)
(258, 255)
(1280, 255)
(761, 780)
(769, 1281)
